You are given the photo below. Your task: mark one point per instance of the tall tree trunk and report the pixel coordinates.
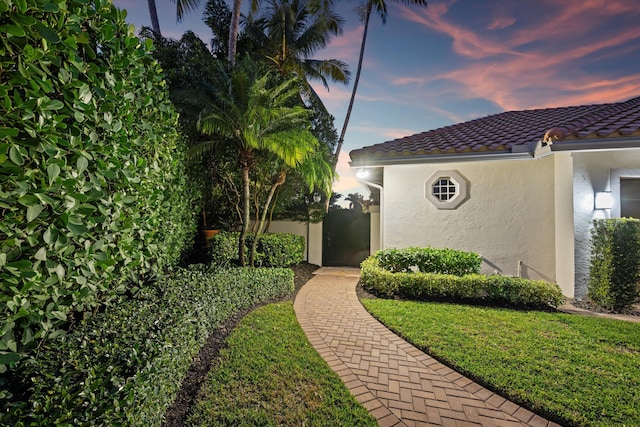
(281, 179)
(355, 86)
(233, 31)
(155, 24)
(247, 206)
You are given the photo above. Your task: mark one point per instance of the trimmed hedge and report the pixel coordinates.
(615, 263)
(125, 366)
(475, 288)
(93, 191)
(429, 260)
(272, 250)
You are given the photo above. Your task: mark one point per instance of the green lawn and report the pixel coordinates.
(270, 375)
(573, 369)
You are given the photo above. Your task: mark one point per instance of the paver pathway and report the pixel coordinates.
(399, 384)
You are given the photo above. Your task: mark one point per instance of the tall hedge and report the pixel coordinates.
(93, 192)
(614, 274)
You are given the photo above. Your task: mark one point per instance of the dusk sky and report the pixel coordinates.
(455, 61)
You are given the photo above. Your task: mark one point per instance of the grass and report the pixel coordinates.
(270, 375)
(576, 370)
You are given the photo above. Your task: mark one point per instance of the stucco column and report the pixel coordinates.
(564, 224)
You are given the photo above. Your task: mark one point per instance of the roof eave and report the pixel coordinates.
(366, 161)
(596, 144)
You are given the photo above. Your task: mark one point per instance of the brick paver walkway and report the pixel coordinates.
(396, 382)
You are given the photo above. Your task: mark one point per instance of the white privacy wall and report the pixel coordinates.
(592, 172)
(508, 217)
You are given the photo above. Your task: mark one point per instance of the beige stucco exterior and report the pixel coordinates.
(529, 218)
(508, 217)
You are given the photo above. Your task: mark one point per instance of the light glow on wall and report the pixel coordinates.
(603, 200)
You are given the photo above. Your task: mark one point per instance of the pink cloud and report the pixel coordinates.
(501, 22)
(542, 61)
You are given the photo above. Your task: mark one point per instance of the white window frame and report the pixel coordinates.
(615, 175)
(462, 189)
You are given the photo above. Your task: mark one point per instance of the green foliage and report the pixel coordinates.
(615, 263)
(125, 366)
(429, 260)
(93, 186)
(477, 288)
(272, 250)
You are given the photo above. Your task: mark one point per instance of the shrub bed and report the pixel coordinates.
(429, 260)
(475, 288)
(273, 249)
(615, 263)
(125, 366)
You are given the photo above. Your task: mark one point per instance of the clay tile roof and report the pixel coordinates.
(501, 133)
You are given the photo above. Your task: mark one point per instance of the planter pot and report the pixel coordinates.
(209, 234)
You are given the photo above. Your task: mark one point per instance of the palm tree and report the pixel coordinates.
(182, 6)
(246, 108)
(315, 6)
(380, 7)
(289, 32)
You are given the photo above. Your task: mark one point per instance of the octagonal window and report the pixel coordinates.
(446, 189)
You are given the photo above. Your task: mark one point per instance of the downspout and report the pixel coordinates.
(381, 189)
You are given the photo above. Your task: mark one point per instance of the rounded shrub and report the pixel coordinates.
(476, 288)
(92, 174)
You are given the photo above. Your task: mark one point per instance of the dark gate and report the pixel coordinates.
(345, 238)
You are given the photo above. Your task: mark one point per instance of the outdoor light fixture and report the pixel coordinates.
(603, 200)
(362, 173)
(316, 198)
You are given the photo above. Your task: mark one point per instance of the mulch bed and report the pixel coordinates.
(177, 414)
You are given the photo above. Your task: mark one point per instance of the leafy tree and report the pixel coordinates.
(217, 16)
(381, 8)
(258, 113)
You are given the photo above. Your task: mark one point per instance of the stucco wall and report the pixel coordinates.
(312, 234)
(592, 173)
(508, 217)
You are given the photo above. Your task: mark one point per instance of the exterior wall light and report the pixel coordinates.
(316, 197)
(603, 200)
(362, 173)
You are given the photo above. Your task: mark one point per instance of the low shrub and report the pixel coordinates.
(125, 366)
(273, 249)
(477, 288)
(429, 260)
(615, 263)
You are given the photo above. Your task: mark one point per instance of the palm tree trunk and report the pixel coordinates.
(245, 220)
(155, 24)
(355, 86)
(281, 178)
(233, 31)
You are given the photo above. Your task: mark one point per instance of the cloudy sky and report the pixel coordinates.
(454, 61)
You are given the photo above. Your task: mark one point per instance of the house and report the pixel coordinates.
(521, 188)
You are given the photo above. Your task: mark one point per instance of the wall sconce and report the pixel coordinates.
(316, 198)
(603, 200)
(362, 173)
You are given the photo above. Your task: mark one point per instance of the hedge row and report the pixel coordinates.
(614, 279)
(429, 260)
(272, 250)
(125, 366)
(476, 288)
(92, 171)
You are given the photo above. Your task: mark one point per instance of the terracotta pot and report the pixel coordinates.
(208, 234)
